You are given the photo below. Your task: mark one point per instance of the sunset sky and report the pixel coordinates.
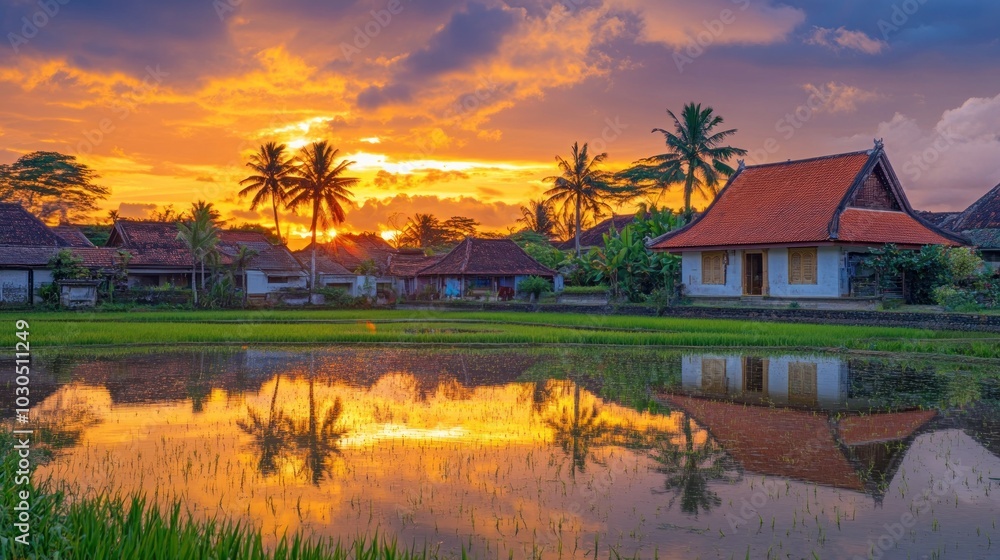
(459, 107)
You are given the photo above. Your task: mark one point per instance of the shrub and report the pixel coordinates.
(954, 299)
(534, 285)
(963, 263)
(586, 290)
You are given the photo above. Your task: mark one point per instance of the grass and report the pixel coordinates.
(68, 329)
(129, 527)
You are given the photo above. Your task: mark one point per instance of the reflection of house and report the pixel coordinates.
(818, 381)
(859, 453)
(159, 258)
(482, 267)
(799, 229)
(980, 224)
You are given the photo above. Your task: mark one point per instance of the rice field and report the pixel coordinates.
(411, 327)
(549, 452)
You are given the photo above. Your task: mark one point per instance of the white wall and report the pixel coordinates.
(831, 376)
(257, 284)
(691, 276)
(828, 264)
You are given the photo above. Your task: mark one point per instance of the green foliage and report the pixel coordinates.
(534, 285)
(600, 289)
(67, 266)
(953, 299)
(627, 266)
(963, 263)
(546, 254)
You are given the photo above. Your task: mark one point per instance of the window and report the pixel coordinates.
(713, 267)
(277, 279)
(802, 266)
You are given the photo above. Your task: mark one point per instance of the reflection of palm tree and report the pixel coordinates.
(689, 471)
(270, 436)
(317, 437)
(576, 431)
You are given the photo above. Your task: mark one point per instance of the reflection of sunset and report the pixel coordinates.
(417, 457)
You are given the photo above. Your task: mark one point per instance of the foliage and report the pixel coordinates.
(67, 266)
(272, 177)
(546, 254)
(921, 271)
(963, 263)
(538, 217)
(629, 268)
(581, 186)
(953, 299)
(695, 157)
(51, 184)
(427, 231)
(600, 289)
(534, 285)
(457, 228)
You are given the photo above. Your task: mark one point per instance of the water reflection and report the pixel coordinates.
(541, 450)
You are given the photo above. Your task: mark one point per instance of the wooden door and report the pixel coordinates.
(753, 274)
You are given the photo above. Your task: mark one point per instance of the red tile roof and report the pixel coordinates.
(351, 249)
(876, 226)
(487, 257)
(983, 214)
(594, 237)
(20, 228)
(408, 264)
(72, 235)
(800, 202)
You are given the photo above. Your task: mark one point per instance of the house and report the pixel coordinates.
(594, 237)
(159, 258)
(404, 266)
(338, 262)
(482, 267)
(799, 230)
(26, 246)
(980, 224)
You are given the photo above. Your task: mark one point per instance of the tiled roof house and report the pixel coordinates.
(798, 229)
(594, 237)
(980, 224)
(485, 265)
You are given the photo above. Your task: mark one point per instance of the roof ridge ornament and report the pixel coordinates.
(879, 144)
(741, 164)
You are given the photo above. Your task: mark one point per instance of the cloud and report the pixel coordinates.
(840, 98)
(679, 24)
(135, 211)
(373, 214)
(843, 38)
(950, 165)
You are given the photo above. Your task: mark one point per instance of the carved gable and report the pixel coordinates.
(875, 193)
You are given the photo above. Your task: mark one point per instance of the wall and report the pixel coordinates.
(691, 276)
(14, 286)
(831, 376)
(828, 264)
(257, 283)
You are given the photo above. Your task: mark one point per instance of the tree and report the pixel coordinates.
(318, 435)
(538, 217)
(272, 176)
(320, 183)
(457, 228)
(270, 436)
(49, 184)
(241, 260)
(167, 214)
(257, 228)
(112, 217)
(580, 184)
(696, 156)
(200, 235)
(423, 230)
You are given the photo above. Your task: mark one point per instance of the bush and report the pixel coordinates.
(336, 297)
(534, 285)
(586, 290)
(963, 263)
(954, 299)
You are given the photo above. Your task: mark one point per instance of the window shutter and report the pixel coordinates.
(809, 267)
(795, 268)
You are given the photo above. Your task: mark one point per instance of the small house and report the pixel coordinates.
(799, 230)
(484, 267)
(26, 246)
(980, 224)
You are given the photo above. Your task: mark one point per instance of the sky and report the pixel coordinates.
(459, 107)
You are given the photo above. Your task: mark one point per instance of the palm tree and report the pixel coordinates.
(317, 436)
(580, 184)
(112, 216)
(319, 182)
(538, 217)
(696, 156)
(423, 230)
(200, 235)
(577, 430)
(272, 177)
(241, 260)
(270, 435)
(689, 470)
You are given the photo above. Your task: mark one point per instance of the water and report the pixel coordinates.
(546, 452)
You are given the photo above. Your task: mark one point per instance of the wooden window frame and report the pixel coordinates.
(802, 277)
(717, 277)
